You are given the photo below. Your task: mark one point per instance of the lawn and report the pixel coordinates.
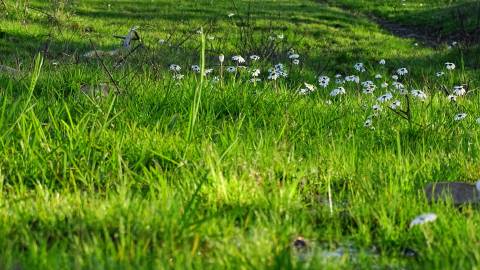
(169, 169)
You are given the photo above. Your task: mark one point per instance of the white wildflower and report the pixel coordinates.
(460, 116)
(195, 68)
(239, 59)
(254, 57)
(382, 62)
(419, 94)
(359, 67)
(323, 81)
(376, 108)
(231, 69)
(452, 98)
(352, 78)
(294, 56)
(422, 219)
(378, 76)
(175, 68)
(395, 105)
(440, 74)
(385, 97)
(338, 91)
(295, 61)
(368, 123)
(402, 71)
(308, 89)
(459, 90)
(398, 85)
(207, 71)
(450, 66)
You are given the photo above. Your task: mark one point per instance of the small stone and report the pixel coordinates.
(423, 218)
(459, 192)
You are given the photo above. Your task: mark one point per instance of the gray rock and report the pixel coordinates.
(458, 192)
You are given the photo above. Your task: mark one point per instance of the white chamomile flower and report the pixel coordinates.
(368, 84)
(231, 69)
(368, 123)
(303, 91)
(195, 68)
(377, 108)
(384, 85)
(255, 80)
(280, 36)
(402, 71)
(459, 90)
(382, 62)
(352, 78)
(308, 89)
(378, 76)
(239, 59)
(294, 56)
(207, 71)
(419, 94)
(460, 116)
(273, 76)
(278, 67)
(440, 74)
(359, 67)
(452, 98)
(394, 77)
(323, 81)
(296, 62)
(254, 57)
(395, 105)
(256, 73)
(368, 87)
(398, 85)
(338, 91)
(175, 68)
(385, 97)
(450, 66)
(368, 91)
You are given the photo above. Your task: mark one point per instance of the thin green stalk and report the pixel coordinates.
(198, 92)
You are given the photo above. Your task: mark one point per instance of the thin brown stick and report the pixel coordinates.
(105, 67)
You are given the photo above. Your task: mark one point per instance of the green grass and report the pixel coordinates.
(184, 174)
(441, 20)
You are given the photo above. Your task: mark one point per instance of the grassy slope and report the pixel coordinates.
(440, 19)
(113, 182)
